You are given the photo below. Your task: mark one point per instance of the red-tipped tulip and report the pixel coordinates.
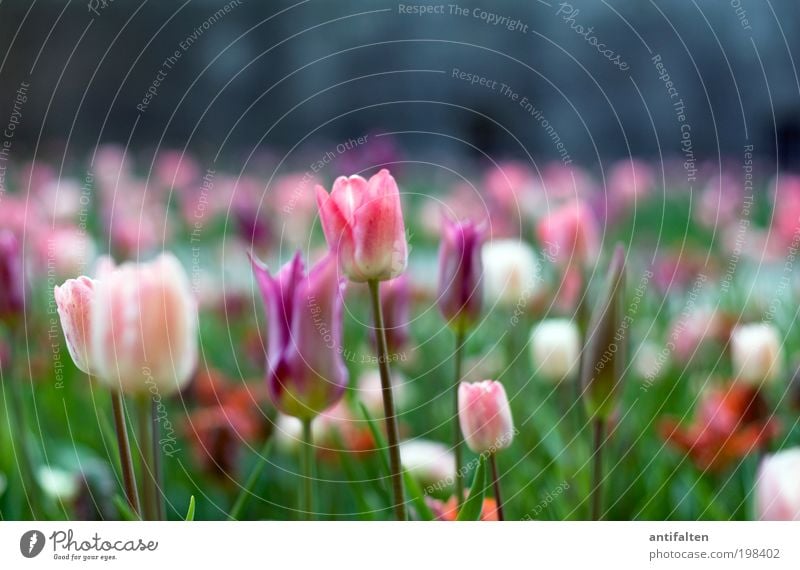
(12, 284)
(143, 326)
(305, 369)
(485, 416)
(461, 273)
(363, 223)
(778, 487)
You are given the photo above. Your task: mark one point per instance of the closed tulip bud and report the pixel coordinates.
(143, 326)
(556, 349)
(461, 273)
(363, 224)
(778, 487)
(12, 281)
(605, 351)
(74, 302)
(756, 353)
(305, 369)
(511, 272)
(485, 416)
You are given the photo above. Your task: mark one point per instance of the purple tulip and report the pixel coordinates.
(305, 369)
(12, 285)
(461, 272)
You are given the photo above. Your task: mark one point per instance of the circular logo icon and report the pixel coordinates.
(31, 543)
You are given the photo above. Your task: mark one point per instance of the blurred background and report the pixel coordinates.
(285, 75)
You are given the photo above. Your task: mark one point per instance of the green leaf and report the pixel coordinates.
(412, 486)
(247, 490)
(190, 512)
(471, 509)
(124, 509)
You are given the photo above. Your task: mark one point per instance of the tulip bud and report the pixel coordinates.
(305, 369)
(143, 327)
(12, 284)
(511, 271)
(460, 273)
(485, 416)
(756, 353)
(604, 353)
(778, 487)
(363, 224)
(556, 349)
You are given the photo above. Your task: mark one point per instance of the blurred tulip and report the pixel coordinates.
(786, 215)
(448, 511)
(606, 339)
(65, 250)
(570, 234)
(305, 369)
(12, 280)
(363, 224)
(556, 349)
(396, 305)
(730, 423)
(370, 392)
(512, 272)
(485, 416)
(778, 487)
(58, 484)
(630, 180)
(756, 352)
(428, 461)
(143, 326)
(461, 273)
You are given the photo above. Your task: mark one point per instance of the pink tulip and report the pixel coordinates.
(74, 302)
(143, 326)
(12, 280)
(363, 223)
(778, 487)
(570, 233)
(461, 273)
(305, 369)
(485, 416)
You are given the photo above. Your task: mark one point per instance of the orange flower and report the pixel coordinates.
(448, 511)
(729, 423)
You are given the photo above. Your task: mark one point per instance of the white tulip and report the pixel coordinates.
(511, 272)
(756, 353)
(556, 349)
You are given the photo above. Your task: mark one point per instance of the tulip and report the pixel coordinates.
(74, 300)
(603, 365)
(778, 487)
(12, 285)
(556, 348)
(570, 233)
(511, 271)
(305, 369)
(460, 273)
(430, 462)
(363, 224)
(144, 327)
(756, 352)
(486, 423)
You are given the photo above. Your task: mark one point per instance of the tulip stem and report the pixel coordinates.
(124, 447)
(458, 438)
(388, 402)
(307, 461)
(149, 508)
(598, 436)
(158, 466)
(496, 486)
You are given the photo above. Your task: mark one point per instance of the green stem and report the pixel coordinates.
(598, 433)
(247, 490)
(124, 447)
(458, 437)
(496, 486)
(25, 462)
(158, 466)
(149, 508)
(307, 461)
(388, 403)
